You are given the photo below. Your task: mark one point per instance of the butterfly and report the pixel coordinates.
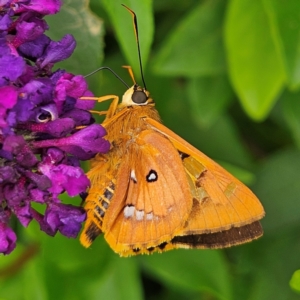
(154, 192)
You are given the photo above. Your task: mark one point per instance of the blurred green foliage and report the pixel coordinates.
(225, 76)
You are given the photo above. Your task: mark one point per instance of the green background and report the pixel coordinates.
(225, 76)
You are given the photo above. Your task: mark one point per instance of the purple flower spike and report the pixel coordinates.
(45, 129)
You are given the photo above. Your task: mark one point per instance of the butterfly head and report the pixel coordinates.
(136, 95)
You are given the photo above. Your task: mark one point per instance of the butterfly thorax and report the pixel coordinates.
(128, 120)
(129, 123)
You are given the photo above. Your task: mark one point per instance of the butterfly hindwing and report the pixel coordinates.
(157, 199)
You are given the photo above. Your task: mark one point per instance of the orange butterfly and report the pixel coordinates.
(154, 192)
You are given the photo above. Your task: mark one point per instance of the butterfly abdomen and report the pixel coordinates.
(96, 204)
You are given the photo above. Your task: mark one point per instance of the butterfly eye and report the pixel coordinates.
(139, 97)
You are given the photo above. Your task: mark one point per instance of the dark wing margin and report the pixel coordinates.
(222, 239)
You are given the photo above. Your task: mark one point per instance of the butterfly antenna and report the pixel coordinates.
(135, 26)
(107, 68)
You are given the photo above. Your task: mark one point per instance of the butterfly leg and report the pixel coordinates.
(112, 108)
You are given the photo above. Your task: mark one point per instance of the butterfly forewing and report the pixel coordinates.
(158, 200)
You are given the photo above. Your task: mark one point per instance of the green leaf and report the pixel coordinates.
(286, 21)
(269, 263)
(67, 254)
(254, 60)
(121, 280)
(291, 110)
(122, 22)
(278, 188)
(295, 281)
(208, 98)
(195, 46)
(23, 277)
(33, 281)
(194, 270)
(222, 135)
(76, 18)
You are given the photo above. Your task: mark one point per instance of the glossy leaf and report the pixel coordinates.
(278, 188)
(263, 273)
(77, 19)
(120, 281)
(291, 109)
(195, 46)
(208, 98)
(192, 270)
(254, 58)
(122, 23)
(295, 281)
(286, 22)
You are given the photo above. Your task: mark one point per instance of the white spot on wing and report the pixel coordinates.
(152, 176)
(129, 211)
(149, 216)
(132, 176)
(139, 215)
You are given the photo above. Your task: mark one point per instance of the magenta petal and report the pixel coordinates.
(22, 151)
(8, 174)
(44, 7)
(70, 85)
(28, 31)
(5, 21)
(88, 140)
(79, 116)
(84, 144)
(58, 51)
(86, 104)
(7, 239)
(39, 196)
(65, 178)
(8, 98)
(11, 67)
(53, 156)
(65, 218)
(23, 213)
(60, 127)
